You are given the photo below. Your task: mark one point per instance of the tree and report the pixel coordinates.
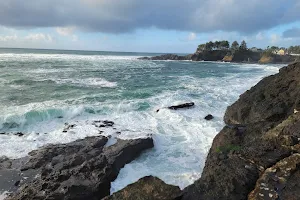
(224, 44)
(217, 45)
(235, 46)
(201, 47)
(243, 45)
(209, 46)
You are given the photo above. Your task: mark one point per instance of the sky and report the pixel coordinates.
(173, 26)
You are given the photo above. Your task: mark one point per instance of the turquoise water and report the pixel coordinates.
(41, 90)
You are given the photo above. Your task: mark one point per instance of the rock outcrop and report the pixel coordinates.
(148, 188)
(242, 56)
(167, 57)
(239, 162)
(83, 169)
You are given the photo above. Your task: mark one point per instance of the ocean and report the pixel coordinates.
(41, 90)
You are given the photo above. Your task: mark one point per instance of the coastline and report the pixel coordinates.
(224, 156)
(245, 57)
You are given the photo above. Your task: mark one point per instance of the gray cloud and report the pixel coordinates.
(116, 16)
(292, 33)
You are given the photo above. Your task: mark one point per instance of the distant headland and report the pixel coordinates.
(240, 53)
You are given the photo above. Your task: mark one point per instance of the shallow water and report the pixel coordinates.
(40, 90)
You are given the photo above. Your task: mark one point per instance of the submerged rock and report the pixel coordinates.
(83, 169)
(148, 188)
(209, 117)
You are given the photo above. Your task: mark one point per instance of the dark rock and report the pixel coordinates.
(167, 57)
(209, 117)
(272, 99)
(185, 105)
(19, 134)
(17, 183)
(216, 55)
(147, 188)
(262, 130)
(83, 169)
(68, 127)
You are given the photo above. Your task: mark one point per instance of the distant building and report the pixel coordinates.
(254, 49)
(280, 52)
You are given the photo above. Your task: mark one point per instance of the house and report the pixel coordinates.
(281, 52)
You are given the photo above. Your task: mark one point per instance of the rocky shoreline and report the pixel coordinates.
(227, 56)
(260, 162)
(83, 169)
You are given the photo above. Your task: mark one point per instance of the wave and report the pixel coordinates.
(66, 57)
(97, 82)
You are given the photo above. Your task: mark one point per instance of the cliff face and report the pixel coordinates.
(278, 59)
(216, 55)
(259, 145)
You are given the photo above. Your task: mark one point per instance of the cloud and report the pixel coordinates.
(65, 31)
(39, 37)
(8, 38)
(275, 38)
(260, 36)
(115, 16)
(192, 36)
(292, 33)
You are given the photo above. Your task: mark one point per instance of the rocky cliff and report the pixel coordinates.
(245, 56)
(263, 132)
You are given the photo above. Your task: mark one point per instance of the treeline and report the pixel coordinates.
(294, 49)
(222, 45)
(290, 50)
(235, 46)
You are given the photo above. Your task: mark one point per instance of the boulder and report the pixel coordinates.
(147, 188)
(83, 169)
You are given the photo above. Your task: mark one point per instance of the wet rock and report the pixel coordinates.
(180, 106)
(148, 188)
(17, 183)
(103, 124)
(209, 117)
(19, 134)
(83, 169)
(68, 127)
